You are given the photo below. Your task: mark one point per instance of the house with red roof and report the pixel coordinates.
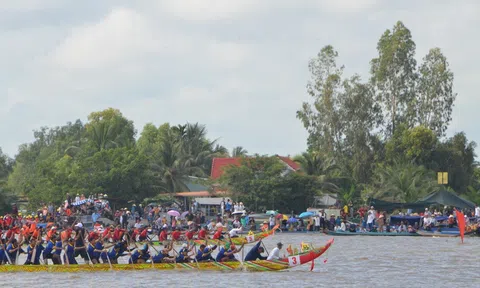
(219, 165)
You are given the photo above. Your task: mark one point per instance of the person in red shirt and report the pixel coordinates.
(92, 236)
(176, 235)
(163, 234)
(189, 234)
(143, 235)
(66, 234)
(107, 233)
(202, 234)
(218, 234)
(118, 234)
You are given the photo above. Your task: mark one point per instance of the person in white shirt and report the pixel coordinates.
(343, 227)
(370, 219)
(272, 221)
(241, 207)
(235, 231)
(477, 211)
(316, 219)
(235, 207)
(275, 253)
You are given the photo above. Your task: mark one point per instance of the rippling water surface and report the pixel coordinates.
(351, 262)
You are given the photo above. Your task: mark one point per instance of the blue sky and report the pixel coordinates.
(238, 66)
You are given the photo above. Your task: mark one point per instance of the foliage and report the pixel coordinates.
(102, 156)
(239, 151)
(435, 96)
(394, 75)
(5, 169)
(399, 116)
(402, 182)
(262, 184)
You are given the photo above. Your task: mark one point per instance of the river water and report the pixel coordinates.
(351, 262)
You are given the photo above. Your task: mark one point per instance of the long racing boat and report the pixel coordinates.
(258, 265)
(244, 239)
(348, 233)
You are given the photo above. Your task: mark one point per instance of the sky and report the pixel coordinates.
(237, 66)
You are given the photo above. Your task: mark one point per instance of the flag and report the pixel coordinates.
(461, 223)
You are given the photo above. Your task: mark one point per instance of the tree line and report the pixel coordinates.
(382, 137)
(386, 135)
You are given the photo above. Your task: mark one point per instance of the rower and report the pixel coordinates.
(183, 256)
(189, 234)
(100, 251)
(164, 255)
(93, 251)
(3, 257)
(143, 234)
(47, 252)
(140, 255)
(256, 253)
(207, 253)
(235, 232)
(218, 234)
(12, 249)
(163, 234)
(275, 253)
(229, 253)
(176, 234)
(202, 234)
(80, 247)
(56, 259)
(117, 251)
(69, 256)
(30, 255)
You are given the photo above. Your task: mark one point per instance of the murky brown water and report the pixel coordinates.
(352, 262)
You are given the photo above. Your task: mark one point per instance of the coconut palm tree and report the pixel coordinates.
(313, 163)
(404, 182)
(238, 152)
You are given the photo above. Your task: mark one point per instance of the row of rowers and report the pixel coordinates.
(143, 233)
(97, 251)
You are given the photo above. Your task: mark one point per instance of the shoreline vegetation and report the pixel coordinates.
(382, 137)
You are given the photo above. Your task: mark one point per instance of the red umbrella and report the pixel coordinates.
(279, 216)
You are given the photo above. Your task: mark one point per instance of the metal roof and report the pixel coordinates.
(210, 201)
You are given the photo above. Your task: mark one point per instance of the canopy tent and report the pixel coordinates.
(446, 198)
(442, 197)
(390, 206)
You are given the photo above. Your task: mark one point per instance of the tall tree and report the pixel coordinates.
(109, 129)
(360, 115)
(394, 76)
(321, 118)
(435, 96)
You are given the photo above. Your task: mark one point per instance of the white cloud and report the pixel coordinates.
(240, 67)
(347, 6)
(123, 35)
(208, 10)
(27, 5)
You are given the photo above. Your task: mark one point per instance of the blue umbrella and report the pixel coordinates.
(305, 215)
(292, 220)
(271, 212)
